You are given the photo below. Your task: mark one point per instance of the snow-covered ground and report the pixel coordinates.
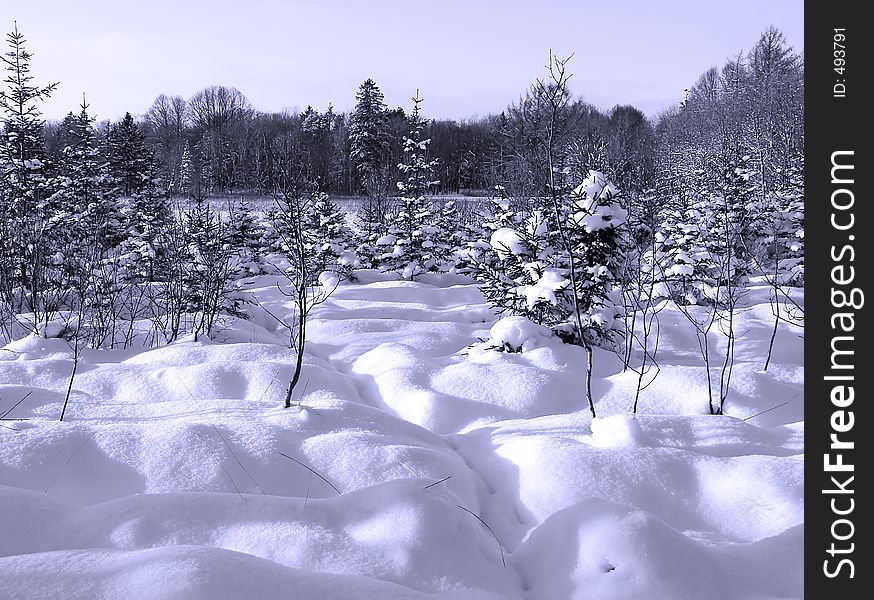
(417, 462)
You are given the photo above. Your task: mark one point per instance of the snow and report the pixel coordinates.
(506, 240)
(595, 197)
(519, 334)
(545, 288)
(417, 460)
(329, 279)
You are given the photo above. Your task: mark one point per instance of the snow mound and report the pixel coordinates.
(600, 549)
(519, 334)
(550, 463)
(187, 573)
(617, 431)
(389, 532)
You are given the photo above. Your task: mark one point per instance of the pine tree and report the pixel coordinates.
(149, 218)
(187, 173)
(88, 189)
(476, 254)
(329, 238)
(23, 186)
(130, 160)
(525, 267)
(517, 270)
(413, 229)
(598, 241)
(87, 227)
(214, 267)
(448, 238)
(22, 151)
(368, 135)
(245, 235)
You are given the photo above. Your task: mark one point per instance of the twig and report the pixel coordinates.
(478, 518)
(227, 473)
(407, 467)
(772, 408)
(306, 498)
(313, 471)
(221, 437)
(430, 485)
(267, 389)
(6, 412)
(69, 460)
(303, 393)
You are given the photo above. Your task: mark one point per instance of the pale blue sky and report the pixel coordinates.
(467, 57)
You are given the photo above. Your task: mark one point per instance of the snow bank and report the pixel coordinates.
(416, 461)
(556, 463)
(187, 573)
(392, 532)
(599, 549)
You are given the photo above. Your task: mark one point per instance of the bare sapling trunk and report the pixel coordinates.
(75, 342)
(640, 300)
(303, 309)
(793, 311)
(702, 327)
(556, 100)
(302, 276)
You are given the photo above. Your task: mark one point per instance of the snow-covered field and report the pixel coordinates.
(417, 462)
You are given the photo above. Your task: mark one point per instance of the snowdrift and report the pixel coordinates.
(418, 461)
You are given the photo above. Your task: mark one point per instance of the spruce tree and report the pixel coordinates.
(329, 238)
(86, 227)
(23, 186)
(213, 268)
(22, 151)
(413, 229)
(368, 135)
(130, 160)
(88, 189)
(187, 173)
(245, 235)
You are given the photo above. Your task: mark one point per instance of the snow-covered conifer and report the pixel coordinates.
(87, 190)
(331, 239)
(527, 271)
(23, 184)
(368, 133)
(411, 236)
(245, 235)
(215, 267)
(130, 160)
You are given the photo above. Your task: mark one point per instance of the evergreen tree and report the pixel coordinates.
(22, 151)
(245, 236)
(187, 173)
(413, 229)
(448, 238)
(598, 238)
(88, 189)
(516, 271)
(330, 240)
(130, 161)
(23, 186)
(86, 227)
(214, 267)
(525, 269)
(368, 136)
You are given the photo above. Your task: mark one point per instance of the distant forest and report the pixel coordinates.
(217, 143)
